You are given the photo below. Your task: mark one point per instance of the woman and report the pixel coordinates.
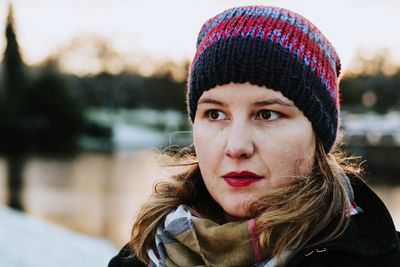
(268, 186)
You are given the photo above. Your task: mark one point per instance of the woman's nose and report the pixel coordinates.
(239, 143)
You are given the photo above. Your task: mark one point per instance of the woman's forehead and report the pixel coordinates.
(244, 92)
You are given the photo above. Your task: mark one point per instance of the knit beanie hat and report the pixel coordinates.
(271, 47)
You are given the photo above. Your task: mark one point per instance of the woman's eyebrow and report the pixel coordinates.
(273, 101)
(210, 101)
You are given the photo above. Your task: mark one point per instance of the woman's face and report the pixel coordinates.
(249, 140)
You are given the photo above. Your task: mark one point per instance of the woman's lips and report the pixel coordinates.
(243, 178)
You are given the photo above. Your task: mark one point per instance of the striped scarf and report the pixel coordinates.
(185, 240)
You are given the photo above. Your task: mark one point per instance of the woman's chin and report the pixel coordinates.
(235, 213)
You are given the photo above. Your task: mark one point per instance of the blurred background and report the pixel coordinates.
(92, 91)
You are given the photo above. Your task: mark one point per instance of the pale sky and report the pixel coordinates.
(168, 28)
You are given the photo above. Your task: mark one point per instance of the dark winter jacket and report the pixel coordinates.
(369, 240)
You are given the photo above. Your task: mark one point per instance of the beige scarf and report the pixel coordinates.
(185, 240)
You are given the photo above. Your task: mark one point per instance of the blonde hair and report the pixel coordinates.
(287, 218)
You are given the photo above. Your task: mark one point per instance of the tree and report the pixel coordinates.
(37, 116)
(53, 116)
(371, 84)
(12, 142)
(13, 65)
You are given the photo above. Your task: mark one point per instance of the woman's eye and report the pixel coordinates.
(215, 114)
(267, 115)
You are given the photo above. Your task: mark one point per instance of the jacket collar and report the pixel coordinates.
(370, 233)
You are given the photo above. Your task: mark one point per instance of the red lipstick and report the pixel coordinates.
(243, 178)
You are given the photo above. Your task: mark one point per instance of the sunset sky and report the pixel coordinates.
(168, 28)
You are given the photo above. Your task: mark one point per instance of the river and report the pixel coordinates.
(98, 194)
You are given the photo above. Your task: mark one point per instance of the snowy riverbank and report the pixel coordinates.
(29, 242)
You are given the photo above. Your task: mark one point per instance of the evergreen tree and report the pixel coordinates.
(12, 142)
(13, 65)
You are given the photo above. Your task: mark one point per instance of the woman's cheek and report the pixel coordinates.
(204, 139)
